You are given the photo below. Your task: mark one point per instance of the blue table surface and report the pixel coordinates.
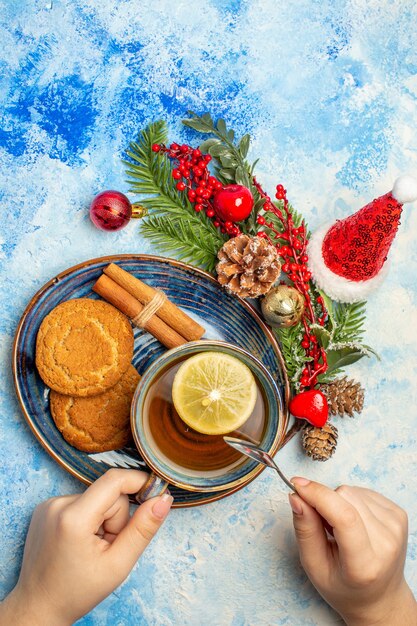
(328, 92)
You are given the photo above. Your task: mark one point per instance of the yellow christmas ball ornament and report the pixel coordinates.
(283, 306)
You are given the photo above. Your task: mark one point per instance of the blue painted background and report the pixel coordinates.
(328, 91)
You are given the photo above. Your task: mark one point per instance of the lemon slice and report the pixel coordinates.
(214, 393)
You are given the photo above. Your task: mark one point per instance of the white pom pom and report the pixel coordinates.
(405, 189)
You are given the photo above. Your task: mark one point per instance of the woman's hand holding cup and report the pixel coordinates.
(80, 548)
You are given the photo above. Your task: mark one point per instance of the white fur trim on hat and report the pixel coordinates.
(405, 189)
(337, 287)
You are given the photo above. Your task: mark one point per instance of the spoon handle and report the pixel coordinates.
(286, 481)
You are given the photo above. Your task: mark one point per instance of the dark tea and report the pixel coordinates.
(178, 444)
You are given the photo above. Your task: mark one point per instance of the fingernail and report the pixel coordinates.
(301, 482)
(162, 506)
(295, 503)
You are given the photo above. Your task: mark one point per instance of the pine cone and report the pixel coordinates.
(319, 443)
(344, 396)
(248, 266)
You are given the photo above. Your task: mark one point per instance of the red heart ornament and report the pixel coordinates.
(311, 406)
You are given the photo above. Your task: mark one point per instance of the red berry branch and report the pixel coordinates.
(202, 189)
(295, 259)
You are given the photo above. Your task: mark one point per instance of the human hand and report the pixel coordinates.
(359, 572)
(80, 548)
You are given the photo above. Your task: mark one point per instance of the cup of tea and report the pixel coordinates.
(179, 455)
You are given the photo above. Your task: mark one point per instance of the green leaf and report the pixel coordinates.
(337, 359)
(244, 145)
(231, 135)
(371, 351)
(221, 127)
(150, 173)
(208, 143)
(254, 164)
(259, 202)
(241, 176)
(322, 335)
(219, 149)
(353, 345)
(327, 377)
(227, 174)
(227, 160)
(197, 125)
(275, 221)
(207, 119)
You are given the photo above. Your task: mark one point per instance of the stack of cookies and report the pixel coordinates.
(84, 350)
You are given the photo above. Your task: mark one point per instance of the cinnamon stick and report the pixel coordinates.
(169, 312)
(130, 306)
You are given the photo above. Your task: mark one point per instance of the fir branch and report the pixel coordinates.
(292, 351)
(173, 224)
(349, 320)
(150, 173)
(186, 238)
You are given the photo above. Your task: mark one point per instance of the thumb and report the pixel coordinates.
(310, 534)
(139, 531)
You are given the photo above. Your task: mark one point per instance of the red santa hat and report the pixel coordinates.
(347, 258)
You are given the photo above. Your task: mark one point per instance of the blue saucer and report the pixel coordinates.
(225, 318)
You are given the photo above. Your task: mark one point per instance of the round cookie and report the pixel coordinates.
(97, 423)
(83, 347)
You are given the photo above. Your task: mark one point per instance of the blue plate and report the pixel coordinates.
(225, 317)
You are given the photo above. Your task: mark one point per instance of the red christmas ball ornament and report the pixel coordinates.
(233, 203)
(110, 210)
(311, 406)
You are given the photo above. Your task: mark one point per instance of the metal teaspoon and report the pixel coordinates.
(253, 452)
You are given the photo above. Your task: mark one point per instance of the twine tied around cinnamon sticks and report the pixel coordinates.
(150, 309)
(147, 307)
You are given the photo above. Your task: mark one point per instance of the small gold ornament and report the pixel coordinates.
(138, 211)
(283, 306)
